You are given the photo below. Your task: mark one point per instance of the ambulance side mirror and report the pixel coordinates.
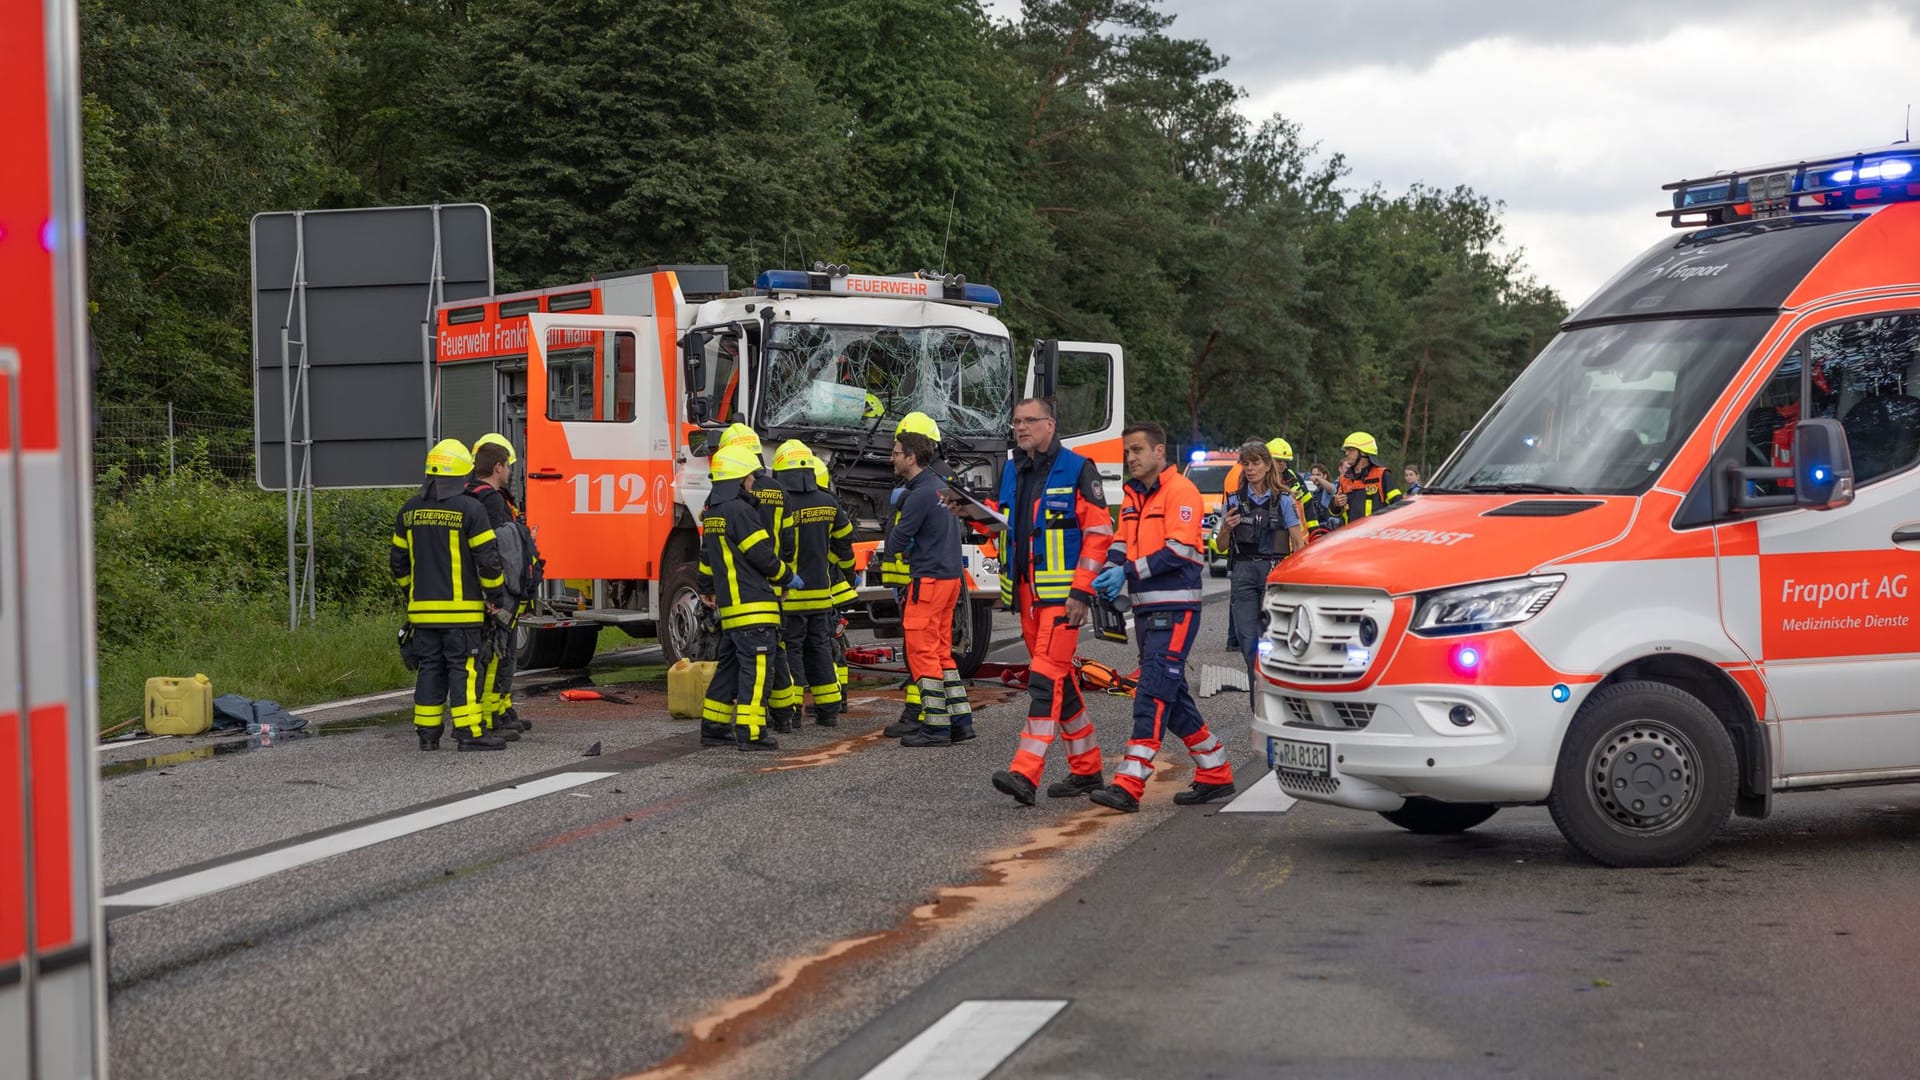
(693, 349)
(1822, 465)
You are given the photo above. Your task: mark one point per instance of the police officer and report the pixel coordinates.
(893, 567)
(1156, 554)
(445, 556)
(929, 537)
(738, 571)
(493, 461)
(1057, 535)
(1365, 487)
(806, 615)
(783, 696)
(1262, 524)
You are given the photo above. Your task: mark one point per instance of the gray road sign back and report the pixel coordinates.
(371, 281)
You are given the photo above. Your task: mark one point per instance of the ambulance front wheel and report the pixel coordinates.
(1646, 776)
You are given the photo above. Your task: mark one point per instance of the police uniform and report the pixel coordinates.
(445, 556)
(1263, 537)
(1158, 547)
(807, 611)
(929, 536)
(739, 570)
(1057, 535)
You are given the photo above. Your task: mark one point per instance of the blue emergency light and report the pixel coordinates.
(1840, 182)
(840, 283)
(1197, 456)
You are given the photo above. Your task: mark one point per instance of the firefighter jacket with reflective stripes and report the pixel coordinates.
(738, 567)
(1059, 528)
(1367, 493)
(926, 532)
(1302, 499)
(497, 503)
(1159, 541)
(1263, 532)
(445, 554)
(818, 554)
(893, 566)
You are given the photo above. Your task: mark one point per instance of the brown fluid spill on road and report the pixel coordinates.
(1011, 876)
(826, 755)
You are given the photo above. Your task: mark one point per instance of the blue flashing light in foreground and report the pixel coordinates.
(1466, 659)
(1820, 474)
(1197, 456)
(1884, 170)
(1561, 692)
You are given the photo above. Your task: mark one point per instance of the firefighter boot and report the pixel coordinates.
(1198, 792)
(1074, 786)
(1012, 783)
(429, 737)
(783, 721)
(470, 741)
(715, 733)
(927, 736)
(745, 744)
(509, 720)
(827, 716)
(908, 723)
(1115, 797)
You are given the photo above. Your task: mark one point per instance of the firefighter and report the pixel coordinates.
(1282, 452)
(807, 615)
(1156, 554)
(493, 461)
(893, 568)
(1365, 487)
(783, 696)
(840, 553)
(929, 537)
(738, 573)
(1057, 537)
(445, 556)
(1262, 523)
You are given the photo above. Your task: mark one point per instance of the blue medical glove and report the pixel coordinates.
(795, 582)
(1110, 581)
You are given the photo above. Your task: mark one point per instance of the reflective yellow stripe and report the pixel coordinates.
(480, 538)
(458, 568)
(747, 544)
(398, 542)
(493, 582)
(446, 605)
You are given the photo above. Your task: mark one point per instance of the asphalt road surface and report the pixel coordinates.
(342, 905)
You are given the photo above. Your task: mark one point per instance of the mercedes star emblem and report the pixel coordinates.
(1300, 631)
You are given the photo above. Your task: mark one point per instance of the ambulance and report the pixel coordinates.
(1211, 471)
(619, 387)
(1675, 569)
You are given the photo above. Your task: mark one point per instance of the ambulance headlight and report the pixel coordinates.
(1490, 605)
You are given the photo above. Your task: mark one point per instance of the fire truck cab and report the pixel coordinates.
(618, 389)
(1671, 572)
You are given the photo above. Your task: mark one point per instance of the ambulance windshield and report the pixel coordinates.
(1603, 409)
(824, 377)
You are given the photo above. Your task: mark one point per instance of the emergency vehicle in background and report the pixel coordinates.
(1209, 470)
(618, 388)
(1674, 570)
(53, 1010)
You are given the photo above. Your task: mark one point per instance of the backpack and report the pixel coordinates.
(525, 569)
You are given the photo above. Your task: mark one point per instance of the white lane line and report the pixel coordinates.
(243, 871)
(1264, 797)
(969, 1042)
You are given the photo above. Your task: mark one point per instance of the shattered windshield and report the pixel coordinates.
(829, 377)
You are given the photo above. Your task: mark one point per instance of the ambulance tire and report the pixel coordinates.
(537, 647)
(972, 636)
(581, 643)
(1431, 817)
(1647, 775)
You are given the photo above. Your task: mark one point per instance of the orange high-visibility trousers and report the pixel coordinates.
(927, 623)
(1055, 706)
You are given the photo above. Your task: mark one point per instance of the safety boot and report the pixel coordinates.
(1198, 792)
(744, 744)
(714, 733)
(510, 721)
(780, 724)
(927, 736)
(504, 734)
(1074, 786)
(1115, 797)
(469, 741)
(429, 737)
(1012, 783)
(961, 732)
(828, 717)
(908, 723)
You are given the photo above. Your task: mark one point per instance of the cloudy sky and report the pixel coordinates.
(1571, 112)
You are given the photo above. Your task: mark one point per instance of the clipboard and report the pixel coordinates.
(972, 509)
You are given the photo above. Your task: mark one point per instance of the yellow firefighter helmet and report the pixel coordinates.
(449, 457)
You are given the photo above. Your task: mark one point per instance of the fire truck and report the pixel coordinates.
(619, 387)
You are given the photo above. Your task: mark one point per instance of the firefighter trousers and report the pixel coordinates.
(1162, 702)
(928, 625)
(448, 682)
(783, 690)
(738, 693)
(808, 636)
(1054, 707)
(1248, 595)
(496, 681)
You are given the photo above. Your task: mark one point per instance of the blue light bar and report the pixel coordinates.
(1197, 456)
(1839, 182)
(981, 294)
(904, 287)
(781, 280)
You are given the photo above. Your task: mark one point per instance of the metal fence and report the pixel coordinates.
(160, 440)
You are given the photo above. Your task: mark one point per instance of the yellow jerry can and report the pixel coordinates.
(179, 706)
(687, 687)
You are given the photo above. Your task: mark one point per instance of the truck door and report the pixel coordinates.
(1087, 380)
(599, 461)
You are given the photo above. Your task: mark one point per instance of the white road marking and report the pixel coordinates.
(969, 1042)
(255, 867)
(1264, 797)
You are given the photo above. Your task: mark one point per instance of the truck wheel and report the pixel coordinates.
(685, 630)
(537, 646)
(1646, 776)
(581, 641)
(1431, 817)
(972, 636)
